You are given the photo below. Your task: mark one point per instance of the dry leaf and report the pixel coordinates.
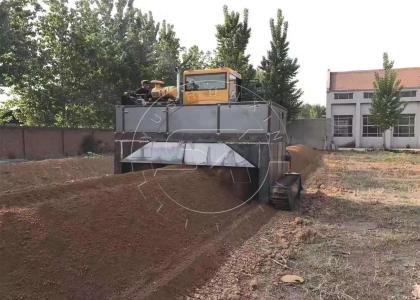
(292, 279)
(416, 291)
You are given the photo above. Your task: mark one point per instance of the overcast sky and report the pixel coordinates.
(324, 34)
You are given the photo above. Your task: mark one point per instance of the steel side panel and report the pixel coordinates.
(119, 119)
(145, 119)
(192, 119)
(243, 118)
(278, 120)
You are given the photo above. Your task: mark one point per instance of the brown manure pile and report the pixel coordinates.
(305, 160)
(139, 235)
(26, 175)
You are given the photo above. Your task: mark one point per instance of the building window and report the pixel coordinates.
(408, 93)
(343, 96)
(368, 95)
(370, 129)
(343, 125)
(405, 126)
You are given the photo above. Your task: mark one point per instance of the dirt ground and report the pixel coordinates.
(29, 174)
(356, 236)
(114, 236)
(71, 231)
(86, 235)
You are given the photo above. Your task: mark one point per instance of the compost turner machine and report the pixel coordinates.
(209, 126)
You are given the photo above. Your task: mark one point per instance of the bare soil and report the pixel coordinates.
(356, 236)
(153, 234)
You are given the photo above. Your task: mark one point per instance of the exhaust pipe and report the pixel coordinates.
(178, 83)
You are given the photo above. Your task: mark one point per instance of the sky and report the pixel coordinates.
(339, 35)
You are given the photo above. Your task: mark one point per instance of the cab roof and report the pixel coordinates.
(213, 71)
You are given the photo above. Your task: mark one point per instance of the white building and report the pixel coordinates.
(349, 95)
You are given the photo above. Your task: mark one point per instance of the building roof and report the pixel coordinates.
(363, 79)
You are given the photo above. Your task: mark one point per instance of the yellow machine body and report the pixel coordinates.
(210, 86)
(160, 92)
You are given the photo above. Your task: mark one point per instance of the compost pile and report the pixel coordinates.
(149, 234)
(119, 235)
(305, 160)
(24, 175)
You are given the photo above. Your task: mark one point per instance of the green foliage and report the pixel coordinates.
(309, 111)
(386, 105)
(73, 64)
(18, 45)
(167, 51)
(279, 70)
(232, 39)
(195, 59)
(6, 113)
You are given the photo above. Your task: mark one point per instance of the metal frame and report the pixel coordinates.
(263, 148)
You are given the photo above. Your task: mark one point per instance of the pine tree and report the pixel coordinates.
(167, 54)
(232, 39)
(386, 105)
(279, 70)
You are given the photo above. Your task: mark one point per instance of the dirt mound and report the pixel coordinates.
(125, 236)
(140, 235)
(304, 159)
(25, 175)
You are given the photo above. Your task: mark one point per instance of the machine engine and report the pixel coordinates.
(160, 92)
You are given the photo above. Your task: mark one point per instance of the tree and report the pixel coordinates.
(232, 39)
(69, 66)
(309, 111)
(18, 45)
(195, 59)
(279, 70)
(167, 54)
(386, 106)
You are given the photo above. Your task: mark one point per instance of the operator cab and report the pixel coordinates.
(211, 86)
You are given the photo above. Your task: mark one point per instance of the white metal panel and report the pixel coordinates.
(213, 154)
(158, 152)
(196, 154)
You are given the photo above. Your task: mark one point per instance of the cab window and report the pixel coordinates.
(204, 82)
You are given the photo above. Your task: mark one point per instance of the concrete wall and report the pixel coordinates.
(315, 133)
(41, 143)
(73, 138)
(11, 143)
